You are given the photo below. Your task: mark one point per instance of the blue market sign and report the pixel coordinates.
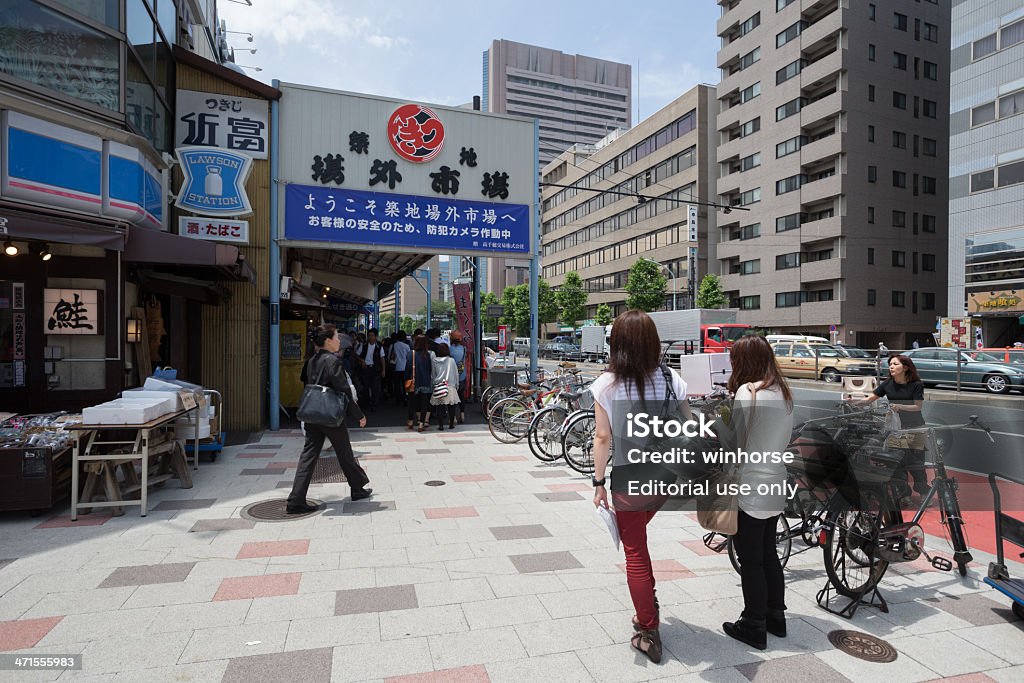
(436, 224)
(214, 182)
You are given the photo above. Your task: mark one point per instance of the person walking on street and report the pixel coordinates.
(882, 357)
(370, 356)
(461, 356)
(635, 381)
(324, 367)
(445, 372)
(762, 421)
(423, 386)
(400, 357)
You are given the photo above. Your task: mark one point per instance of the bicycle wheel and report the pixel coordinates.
(953, 526)
(496, 419)
(485, 399)
(545, 433)
(578, 442)
(517, 416)
(783, 545)
(851, 542)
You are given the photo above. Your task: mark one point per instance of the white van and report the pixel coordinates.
(521, 346)
(796, 339)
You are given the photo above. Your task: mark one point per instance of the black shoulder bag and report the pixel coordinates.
(321, 405)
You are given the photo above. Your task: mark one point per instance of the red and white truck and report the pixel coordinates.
(698, 330)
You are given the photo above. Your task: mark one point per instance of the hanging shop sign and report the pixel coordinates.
(371, 173)
(463, 294)
(56, 166)
(1007, 301)
(71, 311)
(214, 229)
(214, 183)
(214, 120)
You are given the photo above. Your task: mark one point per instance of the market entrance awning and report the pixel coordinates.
(44, 226)
(376, 266)
(193, 257)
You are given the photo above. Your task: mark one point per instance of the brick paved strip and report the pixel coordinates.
(223, 524)
(245, 587)
(148, 574)
(308, 666)
(264, 446)
(472, 477)
(255, 455)
(64, 521)
(21, 635)
(465, 674)
(511, 533)
(559, 497)
(449, 513)
(187, 504)
(562, 488)
(265, 470)
(548, 474)
(432, 451)
(509, 458)
(974, 608)
(386, 599)
(544, 562)
(381, 456)
(273, 549)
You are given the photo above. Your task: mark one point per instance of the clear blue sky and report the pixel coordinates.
(431, 51)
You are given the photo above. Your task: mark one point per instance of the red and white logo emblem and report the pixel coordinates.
(416, 133)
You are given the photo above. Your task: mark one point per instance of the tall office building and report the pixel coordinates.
(577, 99)
(986, 173)
(833, 121)
(667, 159)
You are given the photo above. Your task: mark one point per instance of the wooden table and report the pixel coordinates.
(139, 451)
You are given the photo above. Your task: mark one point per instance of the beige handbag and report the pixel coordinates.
(721, 513)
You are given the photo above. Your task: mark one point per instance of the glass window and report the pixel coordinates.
(871, 214)
(931, 71)
(789, 108)
(49, 50)
(931, 32)
(929, 109)
(871, 93)
(899, 299)
(984, 46)
(899, 139)
(871, 256)
(899, 21)
(802, 351)
(984, 180)
(929, 185)
(167, 14)
(138, 23)
(789, 71)
(928, 262)
(783, 349)
(899, 61)
(789, 184)
(790, 222)
(899, 219)
(871, 11)
(139, 101)
(871, 133)
(899, 179)
(871, 53)
(790, 33)
(899, 259)
(785, 261)
(103, 11)
(750, 92)
(1011, 104)
(899, 100)
(1011, 174)
(1011, 35)
(928, 223)
(782, 4)
(787, 299)
(983, 113)
(927, 301)
(929, 147)
(789, 146)
(871, 297)
(872, 174)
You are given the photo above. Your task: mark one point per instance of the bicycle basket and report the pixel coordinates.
(587, 400)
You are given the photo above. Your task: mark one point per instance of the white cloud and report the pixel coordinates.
(315, 24)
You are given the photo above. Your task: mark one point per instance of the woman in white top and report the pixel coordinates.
(762, 422)
(635, 382)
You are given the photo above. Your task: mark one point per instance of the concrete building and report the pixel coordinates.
(986, 173)
(412, 290)
(832, 124)
(577, 99)
(667, 159)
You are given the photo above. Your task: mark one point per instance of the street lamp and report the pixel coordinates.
(671, 274)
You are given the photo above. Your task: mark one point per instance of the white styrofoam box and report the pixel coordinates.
(122, 412)
(143, 393)
(187, 432)
(701, 370)
(154, 384)
(165, 404)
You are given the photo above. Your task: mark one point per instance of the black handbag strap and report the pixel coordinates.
(670, 392)
(320, 373)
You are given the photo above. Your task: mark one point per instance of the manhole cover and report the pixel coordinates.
(275, 511)
(328, 471)
(863, 646)
(433, 482)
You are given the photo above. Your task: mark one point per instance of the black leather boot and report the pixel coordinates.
(776, 622)
(753, 632)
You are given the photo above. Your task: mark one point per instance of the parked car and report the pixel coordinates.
(1010, 356)
(560, 351)
(820, 361)
(977, 369)
(855, 351)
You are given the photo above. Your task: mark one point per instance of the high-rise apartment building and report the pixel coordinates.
(986, 173)
(576, 99)
(651, 173)
(833, 121)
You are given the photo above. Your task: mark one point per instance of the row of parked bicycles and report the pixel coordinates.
(852, 496)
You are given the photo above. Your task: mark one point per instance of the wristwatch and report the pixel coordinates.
(597, 482)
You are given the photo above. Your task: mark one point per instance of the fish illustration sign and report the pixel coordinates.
(214, 182)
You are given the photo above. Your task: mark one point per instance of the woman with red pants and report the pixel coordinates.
(635, 382)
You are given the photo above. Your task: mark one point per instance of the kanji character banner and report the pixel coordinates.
(439, 224)
(212, 120)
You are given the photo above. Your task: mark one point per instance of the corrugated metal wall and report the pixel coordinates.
(233, 338)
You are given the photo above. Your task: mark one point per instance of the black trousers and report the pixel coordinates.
(372, 384)
(913, 462)
(315, 435)
(760, 569)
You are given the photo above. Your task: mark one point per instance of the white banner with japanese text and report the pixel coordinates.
(214, 229)
(213, 120)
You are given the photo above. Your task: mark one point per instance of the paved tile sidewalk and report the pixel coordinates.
(501, 574)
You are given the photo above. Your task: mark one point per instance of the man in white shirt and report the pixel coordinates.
(400, 356)
(370, 357)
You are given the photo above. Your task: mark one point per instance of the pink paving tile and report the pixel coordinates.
(966, 678)
(262, 454)
(64, 521)
(698, 548)
(466, 674)
(381, 456)
(21, 635)
(509, 458)
(666, 570)
(286, 465)
(273, 549)
(562, 488)
(245, 587)
(410, 439)
(448, 513)
(472, 477)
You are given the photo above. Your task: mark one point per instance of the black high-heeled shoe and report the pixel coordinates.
(776, 622)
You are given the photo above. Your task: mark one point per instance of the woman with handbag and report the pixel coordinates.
(323, 369)
(635, 381)
(763, 414)
(445, 379)
(422, 384)
(462, 359)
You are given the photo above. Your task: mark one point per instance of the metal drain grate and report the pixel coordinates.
(328, 471)
(434, 482)
(863, 646)
(275, 510)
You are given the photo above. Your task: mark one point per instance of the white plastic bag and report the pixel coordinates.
(892, 422)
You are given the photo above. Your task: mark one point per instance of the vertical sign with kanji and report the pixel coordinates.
(502, 338)
(464, 314)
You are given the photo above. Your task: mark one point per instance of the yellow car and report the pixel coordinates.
(820, 361)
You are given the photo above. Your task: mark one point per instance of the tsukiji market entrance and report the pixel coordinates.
(367, 190)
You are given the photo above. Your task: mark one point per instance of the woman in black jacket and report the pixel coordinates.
(324, 368)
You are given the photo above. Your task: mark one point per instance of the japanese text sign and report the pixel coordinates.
(226, 121)
(438, 224)
(71, 311)
(463, 295)
(214, 229)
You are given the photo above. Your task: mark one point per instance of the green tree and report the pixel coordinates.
(572, 300)
(387, 324)
(710, 293)
(645, 286)
(516, 301)
(441, 312)
(603, 316)
(547, 303)
(490, 323)
(408, 324)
